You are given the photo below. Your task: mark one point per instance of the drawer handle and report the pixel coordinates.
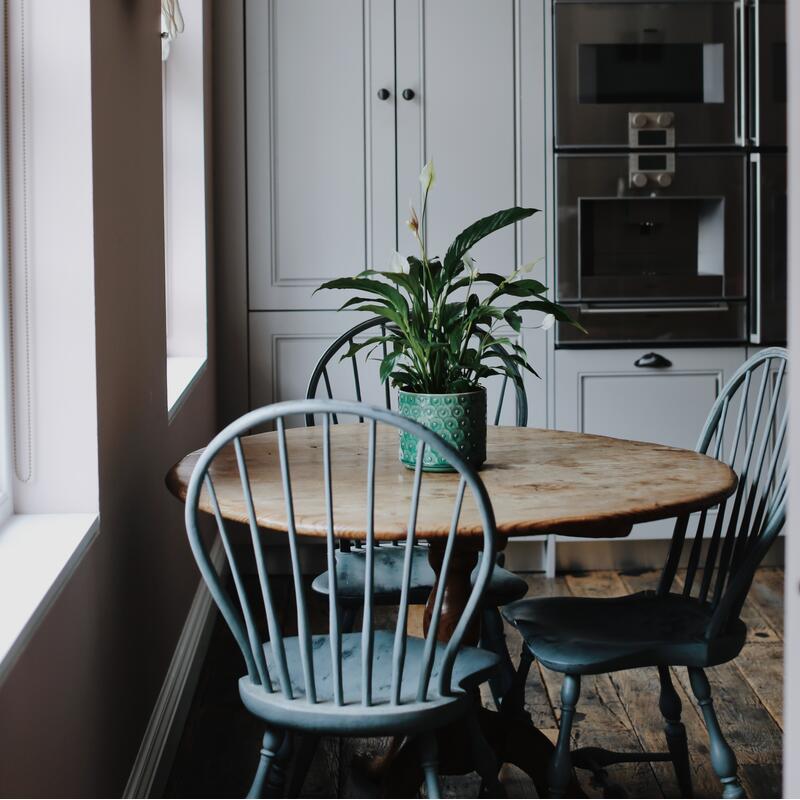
(652, 361)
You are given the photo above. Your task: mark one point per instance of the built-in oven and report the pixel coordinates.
(768, 254)
(649, 74)
(651, 246)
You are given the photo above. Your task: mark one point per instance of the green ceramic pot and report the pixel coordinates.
(460, 419)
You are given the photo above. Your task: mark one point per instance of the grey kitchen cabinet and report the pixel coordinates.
(345, 103)
(605, 392)
(285, 347)
(320, 145)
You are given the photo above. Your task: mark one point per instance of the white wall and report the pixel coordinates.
(791, 745)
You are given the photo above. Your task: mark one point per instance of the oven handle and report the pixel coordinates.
(755, 251)
(740, 66)
(754, 57)
(711, 307)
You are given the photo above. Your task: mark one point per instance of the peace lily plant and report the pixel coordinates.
(443, 335)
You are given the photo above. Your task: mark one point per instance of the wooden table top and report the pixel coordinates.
(539, 482)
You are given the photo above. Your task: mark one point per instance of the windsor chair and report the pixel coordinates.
(696, 624)
(373, 682)
(504, 587)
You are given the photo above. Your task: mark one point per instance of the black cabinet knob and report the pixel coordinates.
(384, 94)
(652, 361)
(408, 94)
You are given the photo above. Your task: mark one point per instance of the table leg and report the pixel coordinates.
(513, 740)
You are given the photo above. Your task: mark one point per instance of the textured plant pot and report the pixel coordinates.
(460, 419)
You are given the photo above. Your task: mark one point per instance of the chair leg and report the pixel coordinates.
(270, 745)
(560, 771)
(493, 639)
(279, 768)
(514, 700)
(723, 758)
(429, 761)
(670, 705)
(484, 759)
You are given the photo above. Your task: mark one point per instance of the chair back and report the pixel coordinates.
(746, 428)
(321, 376)
(242, 610)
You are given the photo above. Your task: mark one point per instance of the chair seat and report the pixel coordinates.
(504, 586)
(471, 668)
(586, 636)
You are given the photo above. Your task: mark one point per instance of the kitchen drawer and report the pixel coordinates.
(605, 392)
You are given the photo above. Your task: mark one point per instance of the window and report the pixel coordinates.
(184, 194)
(6, 505)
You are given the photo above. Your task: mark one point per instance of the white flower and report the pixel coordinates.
(547, 322)
(469, 263)
(413, 220)
(399, 263)
(427, 177)
(527, 267)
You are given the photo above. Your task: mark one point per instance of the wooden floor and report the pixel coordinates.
(217, 753)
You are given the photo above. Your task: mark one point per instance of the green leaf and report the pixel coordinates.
(385, 312)
(513, 319)
(387, 365)
(371, 286)
(356, 346)
(470, 236)
(353, 301)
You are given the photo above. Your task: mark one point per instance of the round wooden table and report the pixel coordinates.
(539, 482)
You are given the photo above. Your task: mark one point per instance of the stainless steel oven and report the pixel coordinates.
(649, 74)
(651, 246)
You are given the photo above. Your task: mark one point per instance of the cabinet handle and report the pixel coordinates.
(408, 94)
(652, 361)
(384, 94)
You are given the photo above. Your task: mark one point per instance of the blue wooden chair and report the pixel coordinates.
(694, 625)
(504, 587)
(367, 683)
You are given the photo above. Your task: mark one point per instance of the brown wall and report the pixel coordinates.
(76, 704)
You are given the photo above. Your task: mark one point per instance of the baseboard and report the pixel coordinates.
(151, 767)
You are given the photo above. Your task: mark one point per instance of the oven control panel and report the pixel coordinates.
(651, 129)
(651, 169)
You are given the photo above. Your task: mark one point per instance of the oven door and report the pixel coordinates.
(766, 36)
(671, 68)
(768, 252)
(651, 227)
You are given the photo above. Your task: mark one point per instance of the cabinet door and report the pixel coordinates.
(604, 392)
(320, 145)
(285, 347)
(458, 57)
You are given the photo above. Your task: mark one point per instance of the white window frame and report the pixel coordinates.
(6, 442)
(185, 243)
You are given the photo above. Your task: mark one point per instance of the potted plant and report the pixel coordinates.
(442, 334)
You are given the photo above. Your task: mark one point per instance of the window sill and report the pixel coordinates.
(182, 373)
(38, 554)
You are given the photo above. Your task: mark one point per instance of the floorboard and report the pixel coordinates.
(217, 754)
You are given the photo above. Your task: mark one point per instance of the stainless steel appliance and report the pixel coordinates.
(666, 257)
(670, 131)
(675, 62)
